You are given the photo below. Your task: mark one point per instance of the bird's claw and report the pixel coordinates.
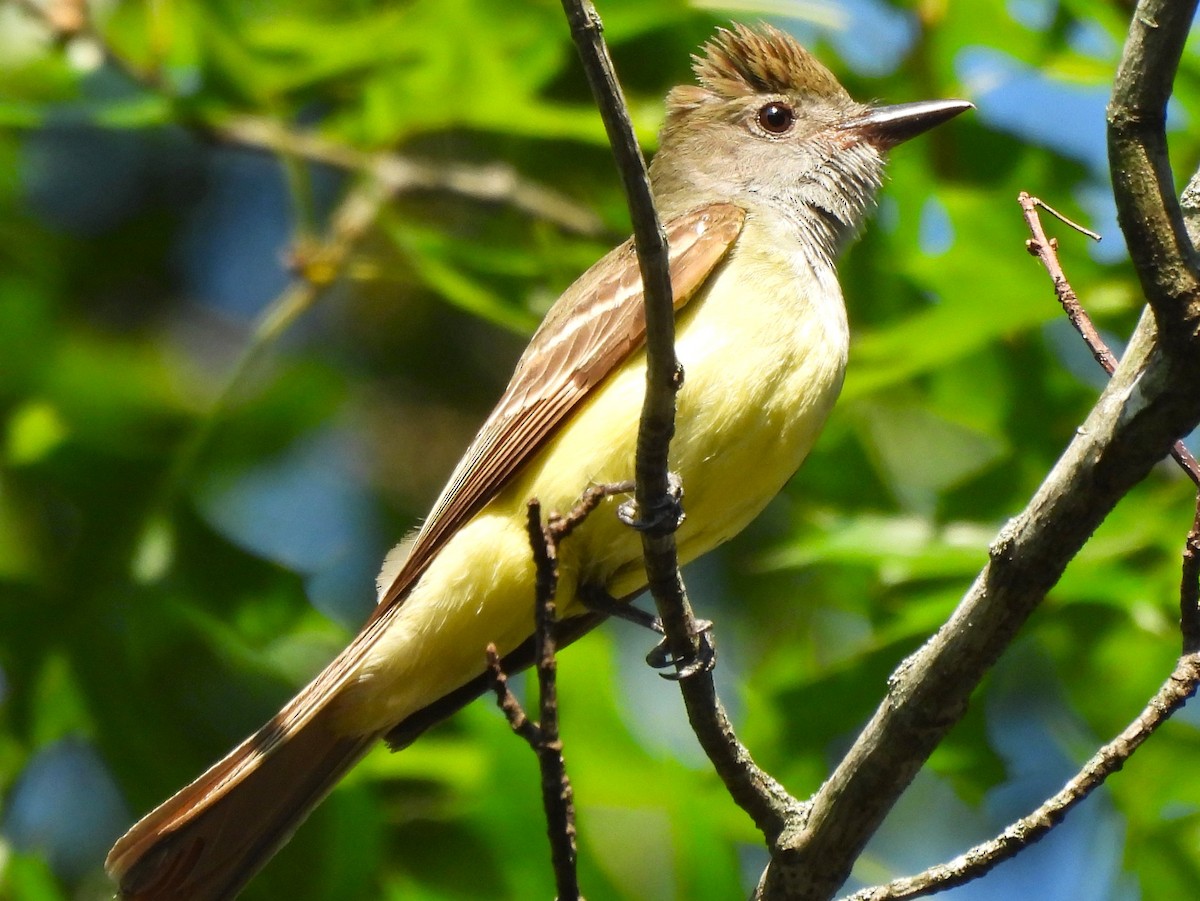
(702, 661)
(663, 520)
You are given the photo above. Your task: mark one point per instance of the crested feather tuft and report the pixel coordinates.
(742, 61)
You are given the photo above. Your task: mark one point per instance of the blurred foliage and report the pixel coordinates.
(181, 548)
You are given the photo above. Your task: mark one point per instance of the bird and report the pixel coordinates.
(766, 169)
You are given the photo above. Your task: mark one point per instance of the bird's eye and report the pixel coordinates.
(776, 118)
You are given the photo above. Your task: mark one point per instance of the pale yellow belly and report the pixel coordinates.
(757, 390)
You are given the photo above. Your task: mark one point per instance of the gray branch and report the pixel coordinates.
(764, 799)
(1149, 404)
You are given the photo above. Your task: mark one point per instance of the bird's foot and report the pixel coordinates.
(664, 519)
(702, 661)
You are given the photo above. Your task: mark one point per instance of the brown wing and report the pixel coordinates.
(594, 326)
(567, 356)
(598, 322)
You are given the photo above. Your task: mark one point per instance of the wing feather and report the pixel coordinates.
(596, 324)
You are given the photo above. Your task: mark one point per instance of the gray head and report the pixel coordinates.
(771, 129)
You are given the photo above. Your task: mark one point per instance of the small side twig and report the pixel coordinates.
(1046, 250)
(543, 736)
(1061, 217)
(1189, 588)
(507, 701)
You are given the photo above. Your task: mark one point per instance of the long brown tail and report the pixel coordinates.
(208, 840)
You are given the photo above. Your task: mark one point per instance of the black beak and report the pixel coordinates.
(887, 126)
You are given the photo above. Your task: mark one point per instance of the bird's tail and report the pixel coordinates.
(209, 839)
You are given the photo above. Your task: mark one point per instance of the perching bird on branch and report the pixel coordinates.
(767, 168)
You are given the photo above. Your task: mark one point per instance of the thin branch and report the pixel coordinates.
(662, 376)
(543, 736)
(1046, 250)
(1189, 588)
(1143, 184)
(764, 799)
(1179, 687)
(507, 701)
(487, 183)
(558, 798)
(1061, 217)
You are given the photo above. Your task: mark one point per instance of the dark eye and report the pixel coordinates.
(776, 118)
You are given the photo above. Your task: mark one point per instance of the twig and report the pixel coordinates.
(662, 380)
(507, 701)
(1189, 588)
(543, 736)
(316, 268)
(1061, 217)
(766, 802)
(1046, 250)
(1180, 686)
(488, 183)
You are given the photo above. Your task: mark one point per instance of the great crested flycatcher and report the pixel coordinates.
(767, 168)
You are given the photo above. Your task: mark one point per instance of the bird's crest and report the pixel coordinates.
(741, 61)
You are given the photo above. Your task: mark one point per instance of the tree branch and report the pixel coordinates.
(764, 799)
(1046, 250)
(1150, 403)
(657, 424)
(1179, 687)
(1147, 208)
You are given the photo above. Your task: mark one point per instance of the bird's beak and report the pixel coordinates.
(887, 126)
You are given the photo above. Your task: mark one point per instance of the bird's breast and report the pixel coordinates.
(763, 348)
